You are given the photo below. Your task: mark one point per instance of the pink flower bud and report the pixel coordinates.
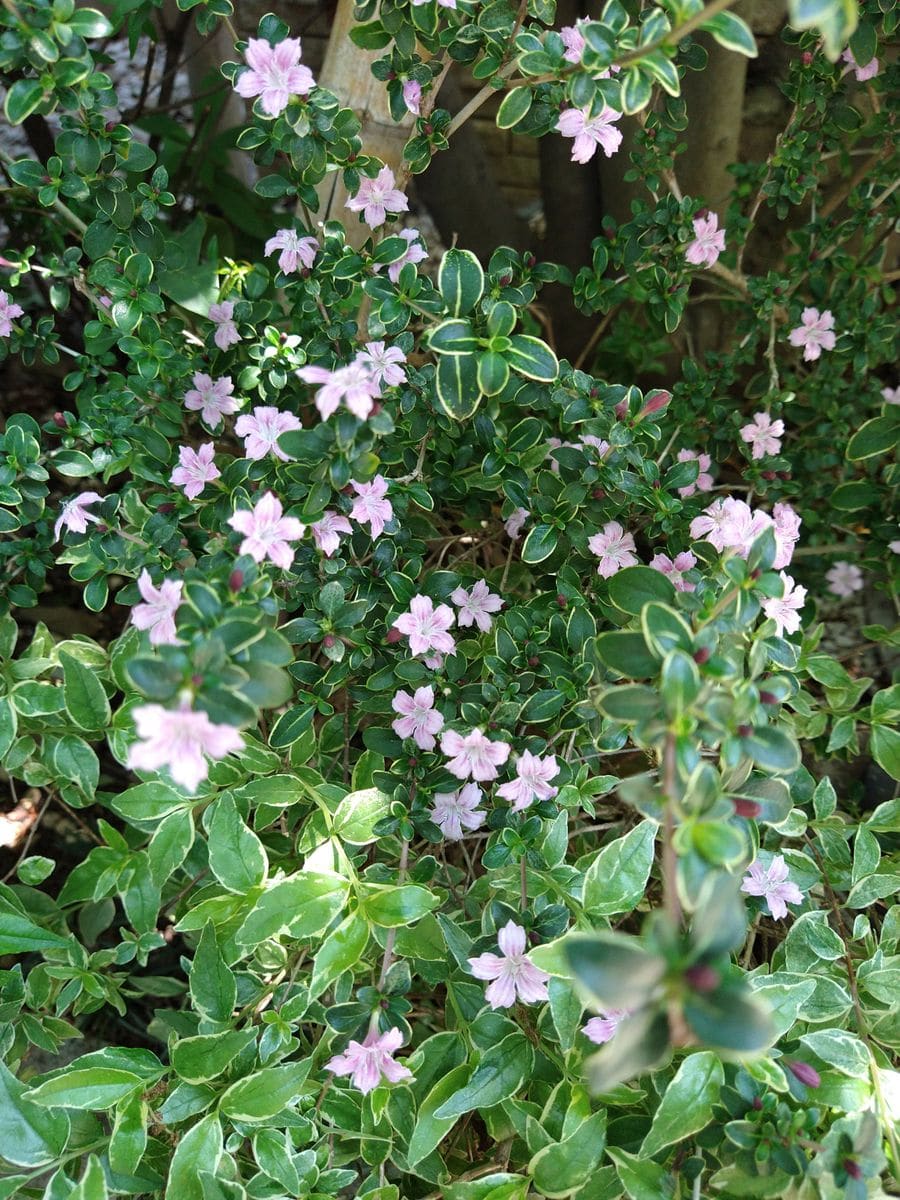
(654, 403)
(703, 978)
(746, 808)
(393, 636)
(235, 580)
(621, 410)
(804, 1072)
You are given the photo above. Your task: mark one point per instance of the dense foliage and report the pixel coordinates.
(454, 712)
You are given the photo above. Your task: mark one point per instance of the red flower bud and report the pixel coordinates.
(621, 409)
(757, 1104)
(768, 698)
(165, 508)
(235, 581)
(534, 661)
(804, 1072)
(768, 475)
(852, 1168)
(744, 730)
(196, 680)
(328, 640)
(746, 808)
(807, 58)
(393, 637)
(702, 655)
(703, 978)
(561, 600)
(59, 420)
(598, 494)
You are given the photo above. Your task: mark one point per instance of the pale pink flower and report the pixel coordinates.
(675, 569)
(275, 74)
(325, 532)
(454, 811)
(261, 429)
(418, 719)
(442, 3)
(614, 547)
(863, 74)
(73, 516)
(773, 885)
(743, 525)
(844, 579)
(371, 506)
(708, 243)
(426, 626)
(221, 316)
(590, 132)
(179, 740)
(412, 96)
(602, 1029)
(787, 533)
(573, 40)
(212, 398)
(891, 395)
(195, 469)
(710, 523)
(473, 756)
(595, 443)
(354, 384)
(476, 605)
(814, 333)
(894, 547)
(532, 781)
(383, 363)
(296, 251)
(371, 1060)
(267, 533)
(704, 481)
(157, 613)
(434, 662)
(514, 975)
(515, 521)
(9, 310)
(414, 254)
(784, 610)
(377, 197)
(763, 434)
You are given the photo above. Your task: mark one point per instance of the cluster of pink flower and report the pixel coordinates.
(358, 384)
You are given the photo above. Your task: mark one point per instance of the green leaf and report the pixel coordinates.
(542, 706)
(630, 703)
(616, 879)
(129, 1136)
(20, 935)
(84, 695)
(732, 33)
(539, 544)
(562, 1167)
(456, 382)
(89, 23)
(493, 373)
(460, 281)
(835, 19)
(200, 1149)
(641, 1044)
(92, 1185)
(212, 982)
(531, 357)
(627, 653)
(170, 845)
(503, 1069)
(730, 1022)
(687, 1104)
(429, 1130)
(341, 950)
(637, 89)
(615, 971)
(773, 749)
(22, 99)
(633, 587)
(515, 107)
(841, 1050)
(389, 907)
(32, 1136)
(237, 857)
(95, 1088)
(302, 906)
(878, 436)
(267, 1093)
(358, 814)
(885, 747)
(642, 1179)
(453, 337)
(679, 683)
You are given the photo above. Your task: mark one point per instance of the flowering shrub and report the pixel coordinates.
(436, 818)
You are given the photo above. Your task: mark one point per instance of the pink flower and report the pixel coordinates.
(708, 243)
(763, 434)
(710, 523)
(418, 719)
(442, 3)
(454, 811)
(354, 384)
(212, 398)
(371, 1060)
(891, 395)
(474, 755)
(602, 1029)
(514, 975)
(226, 331)
(675, 569)
(377, 197)
(743, 525)
(261, 431)
(704, 481)
(573, 40)
(814, 333)
(773, 885)
(179, 740)
(514, 522)
(383, 363)
(414, 254)
(595, 443)
(412, 96)
(73, 516)
(296, 251)
(325, 532)
(371, 506)
(614, 547)
(532, 782)
(863, 74)
(195, 469)
(475, 606)
(157, 613)
(266, 532)
(275, 74)
(844, 579)
(784, 610)
(426, 626)
(590, 132)
(787, 534)
(9, 310)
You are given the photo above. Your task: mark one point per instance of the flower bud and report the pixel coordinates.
(768, 698)
(166, 507)
(197, 680)
(235, 580)
(598, 494)
(757, 1104)
(744, 730)
(534, 661)
(768, 476)
(59, 420)
(746, 808)
(561, 600)
(804, 1072)
(393, 637)
(852, 1168)
(702, 655)
(621, 409)
(807, 58)
(328, 640)
(703, 978)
